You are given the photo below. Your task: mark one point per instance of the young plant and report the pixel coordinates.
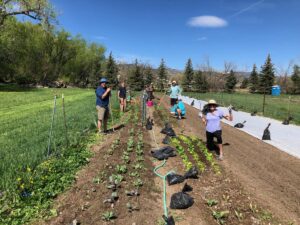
(138, 182)
(121, 169)
(108, 216)
(211, 202)
(220, 216)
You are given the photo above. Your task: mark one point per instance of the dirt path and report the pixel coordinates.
(270, 175)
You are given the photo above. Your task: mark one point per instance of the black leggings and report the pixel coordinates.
(210, 139)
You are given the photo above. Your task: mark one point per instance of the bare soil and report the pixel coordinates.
(270, 177)
(255, 179)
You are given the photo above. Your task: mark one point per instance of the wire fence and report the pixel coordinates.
(42, 127)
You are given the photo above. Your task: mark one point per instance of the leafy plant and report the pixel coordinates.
(211, 202)
(121, 169)
(138, 182)
(220, 216)
(108, 216)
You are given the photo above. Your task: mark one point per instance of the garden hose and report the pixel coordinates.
(164, 185)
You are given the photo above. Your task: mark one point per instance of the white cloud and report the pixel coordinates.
(202, 39)
(207, 21)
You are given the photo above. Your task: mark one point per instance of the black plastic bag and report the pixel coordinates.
(166, 140)
(174, 178)
(149, 124)
(163, 153)
(192, 173)
(164, 130)
(240, 125)
(181, 200)
(169, 221)
(168, 130)
(186, 188)
(267, 133)
(193, 102)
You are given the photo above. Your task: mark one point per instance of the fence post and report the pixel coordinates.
(65, 120)
(289, 107)
(51, 127)
(264, 102)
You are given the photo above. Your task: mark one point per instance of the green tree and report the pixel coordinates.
(40, 10)
(245, 83)
(148, 75)
(111, 72)
(188, 76)
(162, 75)
(296, 79)
(253, 80)
(267, 76)
(200, 82)
(135, 80)
(231, 81)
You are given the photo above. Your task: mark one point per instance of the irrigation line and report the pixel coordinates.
(163, 177)
(50, 133)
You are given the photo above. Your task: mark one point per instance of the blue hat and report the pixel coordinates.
(103, 80)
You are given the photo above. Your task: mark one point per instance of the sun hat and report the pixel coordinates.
(174, 82)
(212, 102)
(103, 80)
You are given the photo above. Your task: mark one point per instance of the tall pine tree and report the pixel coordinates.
(231, 81)
(296, 79)
(188, 76)
(135, 80)
(111, 71)
(148, 75)
(162, 75)
(267, 76)
(253, 80)
(200, 82)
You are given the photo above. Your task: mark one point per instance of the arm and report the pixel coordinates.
(228, 117)
(119, 94)
(204, 121)
(107, 92)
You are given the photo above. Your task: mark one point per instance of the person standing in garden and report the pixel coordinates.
(122, 97)
(175, 91)
(212, 122)
(102, 104)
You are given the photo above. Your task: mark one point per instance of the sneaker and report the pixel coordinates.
(179, 117)
(220, 157)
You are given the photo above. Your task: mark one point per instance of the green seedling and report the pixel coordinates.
(138, 182)
(140, 159)
(138, 166)
(265, 215)
(238, 215)
(121, 169)
(253, 208)
(220, 216)
(211, 202)
(134, 174)
(108, 216)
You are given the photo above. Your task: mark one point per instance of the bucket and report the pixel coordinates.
(150, 103)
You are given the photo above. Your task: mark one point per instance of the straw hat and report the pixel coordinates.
(212, 102)
(174, 82)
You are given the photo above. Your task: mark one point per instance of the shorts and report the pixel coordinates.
(173, 101)
(103, 113)
(210, 138)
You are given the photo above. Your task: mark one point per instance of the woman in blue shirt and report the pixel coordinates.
(178, 109)
(175, 91)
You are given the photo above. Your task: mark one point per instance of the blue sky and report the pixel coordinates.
(238, 31)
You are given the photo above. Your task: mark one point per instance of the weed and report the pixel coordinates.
(211, 202)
